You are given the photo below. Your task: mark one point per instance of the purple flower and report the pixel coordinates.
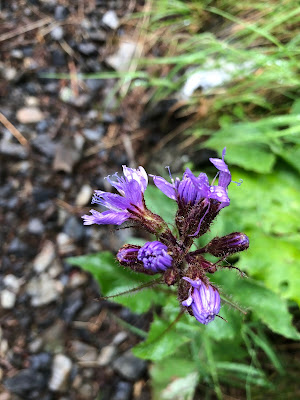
(154, 256)
(204, 301)
(123, 206)
(191, 189)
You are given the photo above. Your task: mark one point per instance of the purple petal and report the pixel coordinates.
(139, 175)
(107, 217)
(195, 283)
(225, 176)
(166, 187)
(219, 193)
(201, 183)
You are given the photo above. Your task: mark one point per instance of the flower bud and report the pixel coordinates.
(229, 244)
(128, 257)
(154, 255)
(203, 301)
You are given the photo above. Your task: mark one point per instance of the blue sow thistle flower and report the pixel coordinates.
(198, 204)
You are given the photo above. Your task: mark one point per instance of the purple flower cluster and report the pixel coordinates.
(198, 205)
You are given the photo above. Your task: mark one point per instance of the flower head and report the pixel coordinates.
(123, 206)
(192, 189)
(154, 256)
(204, 301)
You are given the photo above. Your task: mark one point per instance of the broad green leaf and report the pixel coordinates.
(264, 303)
(220, 329)
(114, 279)
(162, 341)
(160, 204)
(276, 262)
(247, 155)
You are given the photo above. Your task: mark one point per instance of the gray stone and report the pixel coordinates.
(119, 338)
(94, 135)
(106, 356)
(57, 33)
(43, 290)
(46, 256)
(123, 391)
(61, 13)
(87, 49)
(65, 243)
(74, 228)
(121, 60)
(83, 352)
(111, 19)
(129, 366)
(12, 283)
(45, 145)
(7, 299)
(84, 195)
(13, 149)
(61, 369)
(35, 226)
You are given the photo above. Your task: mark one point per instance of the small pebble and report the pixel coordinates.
(84, 195)
(8, 299)
(61, 369)
(46, 256)
(111, 20)
(29, 115)
(57, 33)
(106, 356)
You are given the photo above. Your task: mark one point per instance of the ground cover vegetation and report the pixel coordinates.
(249, 102)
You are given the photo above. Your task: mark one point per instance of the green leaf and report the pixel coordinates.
(264, 303)
(160, 204)
(247, 155)
(220, 329)
(178, 382)
(163, 340)
(278, 268)
(114, 279)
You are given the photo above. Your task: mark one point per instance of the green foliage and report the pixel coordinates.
(255, 114)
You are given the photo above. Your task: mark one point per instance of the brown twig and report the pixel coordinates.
(13, 130)
(26, 28)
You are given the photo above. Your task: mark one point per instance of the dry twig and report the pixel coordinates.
(13, 130)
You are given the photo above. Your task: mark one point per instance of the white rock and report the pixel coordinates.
(65, 243)
(31, 101)
(8, 299)
(29, 115)
(121, 60)
(77, 279)
(111, 20)
(57, 33)
(43, 290)
(84, 195)
(61, 369)
(119, 338)
(12, 283)
(106, 356)
(46, 256)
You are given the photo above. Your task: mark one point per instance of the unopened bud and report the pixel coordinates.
(227, 245)
(127, 255)
(203, 300)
